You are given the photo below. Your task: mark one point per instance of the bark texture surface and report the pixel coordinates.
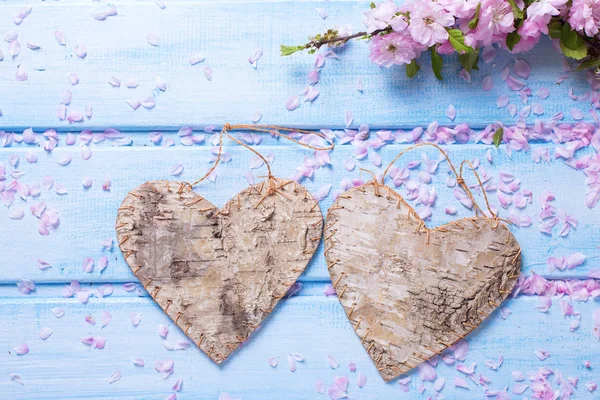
(410, 292)
(218, 273)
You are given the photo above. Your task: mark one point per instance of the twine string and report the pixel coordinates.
(459, 176)
(272, 129)
(485, 197)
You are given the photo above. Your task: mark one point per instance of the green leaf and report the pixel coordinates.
(572, 44)
(498, 136)
(475, 21)
(437, 62)
(569, 37)
(578, 54)
(512, 39)
(516, 10)
(555, 29)
(412, 68)
(372, 5)
(457, 40)
(469, 61)
(587, 64)
(289, 50)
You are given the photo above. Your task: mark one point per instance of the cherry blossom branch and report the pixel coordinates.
(317, 44)
(329, 38)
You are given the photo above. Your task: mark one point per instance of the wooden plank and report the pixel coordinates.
(227, 34)
(315, 326)
(88, 216)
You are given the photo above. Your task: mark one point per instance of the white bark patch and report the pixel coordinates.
(410, 292)
(218, 273)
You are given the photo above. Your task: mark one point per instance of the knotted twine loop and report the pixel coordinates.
(274, 130)
(459, 178)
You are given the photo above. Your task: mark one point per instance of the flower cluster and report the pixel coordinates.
(399, 34)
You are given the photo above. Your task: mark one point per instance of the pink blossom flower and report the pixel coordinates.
(584, 16)
(428, 22)
(530, 33)
(384, 15)
(460, 8)
(395, 48)
(541, 11)
(496, 20)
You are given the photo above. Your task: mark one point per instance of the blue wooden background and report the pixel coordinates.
(227, 33)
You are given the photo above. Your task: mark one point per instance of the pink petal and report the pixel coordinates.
(20, 15)
(21, 74)
(505, 312)
(488, 54)
(21, 349)
(177, 170)
(105, 318)
(311, 94)
(542, 354)
(426, 372)
(75, 116)
(361, 381)
(88, 265)
(292, 103)
(134, 104)
(45, 333)
(333, 363)
(177, 385)
(58, 312)
(543, 93)
(292, 363)
(335, 393)
(64, 160)
(577, 114)
(461, 350)
(320, 386)
(152, 39)
(148, 103)
(131, 83)
(487, 83)
(519, 388)
(115, 376)
(196, 59)
(208, 73)
(349, 118)
(14, 48)
(514, 83)
(273, 361)
(163, 330)
(16, 214)
(16, 378)
(451, 112)
(87, 182)
(160, 84)
(80, 50)
(136, 318)
(341, 382)
(137, 361)
(521, 69)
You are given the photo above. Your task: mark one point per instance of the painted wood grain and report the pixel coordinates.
(87, 216)
(314, 326)
(227, 34)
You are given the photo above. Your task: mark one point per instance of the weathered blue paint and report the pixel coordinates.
(311, 324)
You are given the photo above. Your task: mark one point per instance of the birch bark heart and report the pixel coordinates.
(410, 292)
(218, 273)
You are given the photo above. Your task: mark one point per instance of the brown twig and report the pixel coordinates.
(317, 44)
